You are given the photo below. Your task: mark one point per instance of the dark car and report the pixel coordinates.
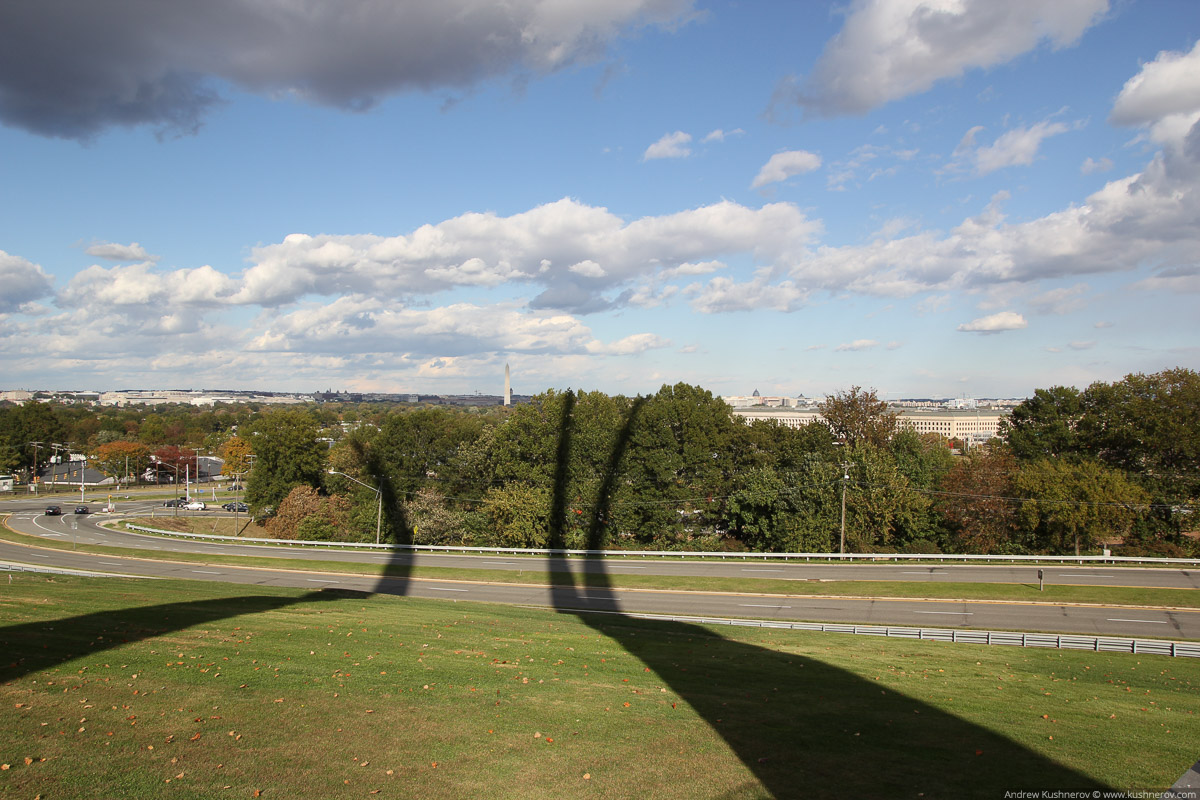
(53, 511)
(172, 503)
(81, 509)
(236, 507)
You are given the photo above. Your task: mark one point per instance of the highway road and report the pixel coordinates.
(27, 517)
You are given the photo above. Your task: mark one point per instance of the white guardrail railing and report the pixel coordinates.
(1065, 641)
(442, 548)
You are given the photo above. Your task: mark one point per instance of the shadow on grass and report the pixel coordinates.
(803, 727)
(36, 646)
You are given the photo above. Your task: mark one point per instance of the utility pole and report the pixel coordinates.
(845, 480)
(34, 477)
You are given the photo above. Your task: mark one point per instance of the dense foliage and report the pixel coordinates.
(1114, 465)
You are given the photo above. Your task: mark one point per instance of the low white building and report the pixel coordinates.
(971, 426)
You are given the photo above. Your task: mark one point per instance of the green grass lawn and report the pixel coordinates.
(127, 688)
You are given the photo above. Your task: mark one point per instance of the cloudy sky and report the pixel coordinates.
(929, 197)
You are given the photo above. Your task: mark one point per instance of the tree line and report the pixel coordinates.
(1116, 465)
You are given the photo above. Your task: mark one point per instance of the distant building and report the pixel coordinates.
(756, 400)
(969, 426)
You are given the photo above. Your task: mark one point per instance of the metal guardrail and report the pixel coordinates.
(9, 566)
(1099, 644)
(439, 548)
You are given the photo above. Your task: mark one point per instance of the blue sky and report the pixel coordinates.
(927, 197)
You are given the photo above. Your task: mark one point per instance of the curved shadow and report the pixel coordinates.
(797, 723)
(88, 634)
(787, 717)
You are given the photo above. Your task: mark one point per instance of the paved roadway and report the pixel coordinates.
(27, 517)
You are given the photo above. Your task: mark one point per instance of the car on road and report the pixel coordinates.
(236, 507)
(53, 511)
(81, 509)
(195, 505)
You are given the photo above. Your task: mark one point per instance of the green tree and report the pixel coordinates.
(287, 455)
(859, 417)
(678, 467)
(519, 514)
(1076, 505)
(1045, 425)
(27, 423)
(1149, 427)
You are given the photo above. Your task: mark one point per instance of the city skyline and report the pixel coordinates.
(931, 198)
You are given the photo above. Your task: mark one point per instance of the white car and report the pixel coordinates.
(195, 505)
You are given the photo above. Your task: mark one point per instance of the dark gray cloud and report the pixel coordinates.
(72, 68)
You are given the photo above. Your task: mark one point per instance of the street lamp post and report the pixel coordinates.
(378, 496)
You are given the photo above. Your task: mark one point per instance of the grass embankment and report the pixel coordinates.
(1003, 592)
(126, 688)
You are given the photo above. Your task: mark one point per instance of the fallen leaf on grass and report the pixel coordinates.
(587, 776)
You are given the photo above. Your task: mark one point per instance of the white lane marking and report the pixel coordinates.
(1089, 575)
(759, 605)
(320, 580)
(440, 589)
(746, 569)
(53, 534)
(625, 566)
(499, 562)
(110, 563)
(1151, 621)
(204, 572)
(924, 572)
(962, 613)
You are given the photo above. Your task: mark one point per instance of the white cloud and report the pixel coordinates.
(1016, 147)
(719, 135)
(843, 172)
(21, 281)
(1064, 300)
(995, 323)
(111, 251)
(630, 345)
(724, 295)
(671, 145)
(1091, 165)
(539, 247)
(856, 345)
(782, 166)
(356, 325)
(890, 49)
(142, 285)
(1167, 86)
